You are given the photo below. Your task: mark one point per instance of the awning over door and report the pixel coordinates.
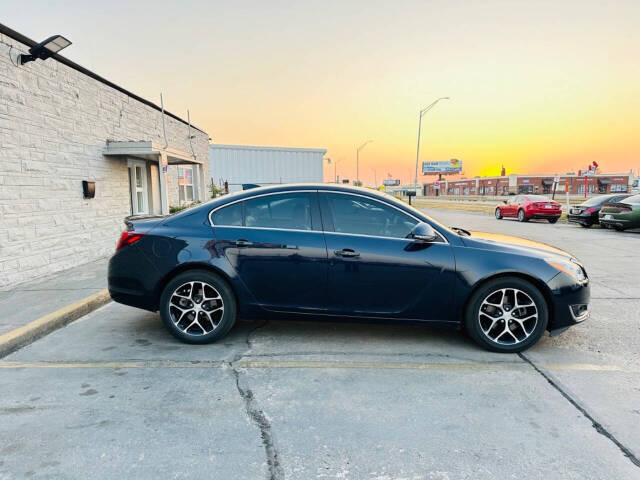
(547, 181)
(149, 151)
(604, 181)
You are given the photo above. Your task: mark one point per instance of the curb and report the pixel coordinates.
(22, 336)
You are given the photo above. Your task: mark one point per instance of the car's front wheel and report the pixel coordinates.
(506, 315)
(498, 213)
(198, 306)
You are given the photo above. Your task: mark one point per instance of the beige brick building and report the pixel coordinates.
(60, 125)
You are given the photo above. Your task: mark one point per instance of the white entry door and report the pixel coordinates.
(139, 192)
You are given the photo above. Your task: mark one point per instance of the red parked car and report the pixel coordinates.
(526, 207)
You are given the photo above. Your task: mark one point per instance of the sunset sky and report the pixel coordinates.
(536, 86)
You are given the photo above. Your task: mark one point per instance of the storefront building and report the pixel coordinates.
(530, 184)
(66, 132)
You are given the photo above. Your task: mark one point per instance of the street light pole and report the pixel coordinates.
(422, 112)
(358, 159)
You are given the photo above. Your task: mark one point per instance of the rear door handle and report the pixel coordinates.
(347, 252)
(241, 242)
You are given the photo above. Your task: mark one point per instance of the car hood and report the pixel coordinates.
(497, 241)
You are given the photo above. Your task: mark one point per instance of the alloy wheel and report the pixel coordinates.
(196, 308)
(508, 316)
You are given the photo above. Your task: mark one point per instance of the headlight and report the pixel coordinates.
(570, 267)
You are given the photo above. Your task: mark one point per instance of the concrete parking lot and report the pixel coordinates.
(113, 395)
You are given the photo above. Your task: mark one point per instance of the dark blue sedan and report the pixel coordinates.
(329, 251)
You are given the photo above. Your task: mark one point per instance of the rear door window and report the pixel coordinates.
(230, 216)
(291, 211)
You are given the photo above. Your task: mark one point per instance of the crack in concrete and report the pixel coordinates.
(257, 416)
(594, 423)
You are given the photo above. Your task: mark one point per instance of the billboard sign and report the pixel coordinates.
(442, 166)
(389, 182)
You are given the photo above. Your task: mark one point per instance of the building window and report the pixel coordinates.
(185, 184)
(618, 188)
(138, 184)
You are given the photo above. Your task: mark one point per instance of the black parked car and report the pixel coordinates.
(328, 251)
(586, 214)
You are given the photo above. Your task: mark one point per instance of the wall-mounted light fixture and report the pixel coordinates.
(88, 189)
(45, 49)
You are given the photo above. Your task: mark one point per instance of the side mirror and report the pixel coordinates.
(423, 232)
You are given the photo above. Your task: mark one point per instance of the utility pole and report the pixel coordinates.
(422, 112)
(358, 159)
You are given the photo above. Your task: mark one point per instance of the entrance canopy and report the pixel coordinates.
(137, 154)
(149, 151)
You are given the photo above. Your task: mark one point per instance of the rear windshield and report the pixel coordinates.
(635, 200)
(598, 200)
(535, 198)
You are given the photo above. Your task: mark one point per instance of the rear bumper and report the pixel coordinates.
(616, 222)
(584, 219)
(132, 278)
(544, 215)
(133, 299)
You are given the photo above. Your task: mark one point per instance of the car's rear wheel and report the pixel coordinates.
(552, 220)
(498, 213)
(521, 216)
(618, 228)
(198, 307)
(586, 225)
(506, 315)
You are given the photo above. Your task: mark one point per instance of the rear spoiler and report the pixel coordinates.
(128, 221)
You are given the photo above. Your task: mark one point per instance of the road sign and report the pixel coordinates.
(388, 182)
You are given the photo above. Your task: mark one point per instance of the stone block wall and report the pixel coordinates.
(54, 123)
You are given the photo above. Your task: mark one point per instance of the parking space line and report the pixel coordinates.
(484, 366)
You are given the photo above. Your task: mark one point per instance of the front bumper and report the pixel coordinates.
(569, 302)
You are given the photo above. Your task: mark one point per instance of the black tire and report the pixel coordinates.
(618, 228)
(521, 216)
(586, 225)
(498, 214)
(552, 220)
(225, 320)
(472, 322)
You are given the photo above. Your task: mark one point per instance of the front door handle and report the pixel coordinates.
(347, 252)
(241, 242)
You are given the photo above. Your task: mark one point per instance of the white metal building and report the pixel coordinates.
(244, 164)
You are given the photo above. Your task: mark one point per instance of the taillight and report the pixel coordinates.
(128, 238)
(589, 210)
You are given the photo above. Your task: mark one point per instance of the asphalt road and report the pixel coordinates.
(114, 396)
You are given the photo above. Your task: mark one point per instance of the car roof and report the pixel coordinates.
(288, 187)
